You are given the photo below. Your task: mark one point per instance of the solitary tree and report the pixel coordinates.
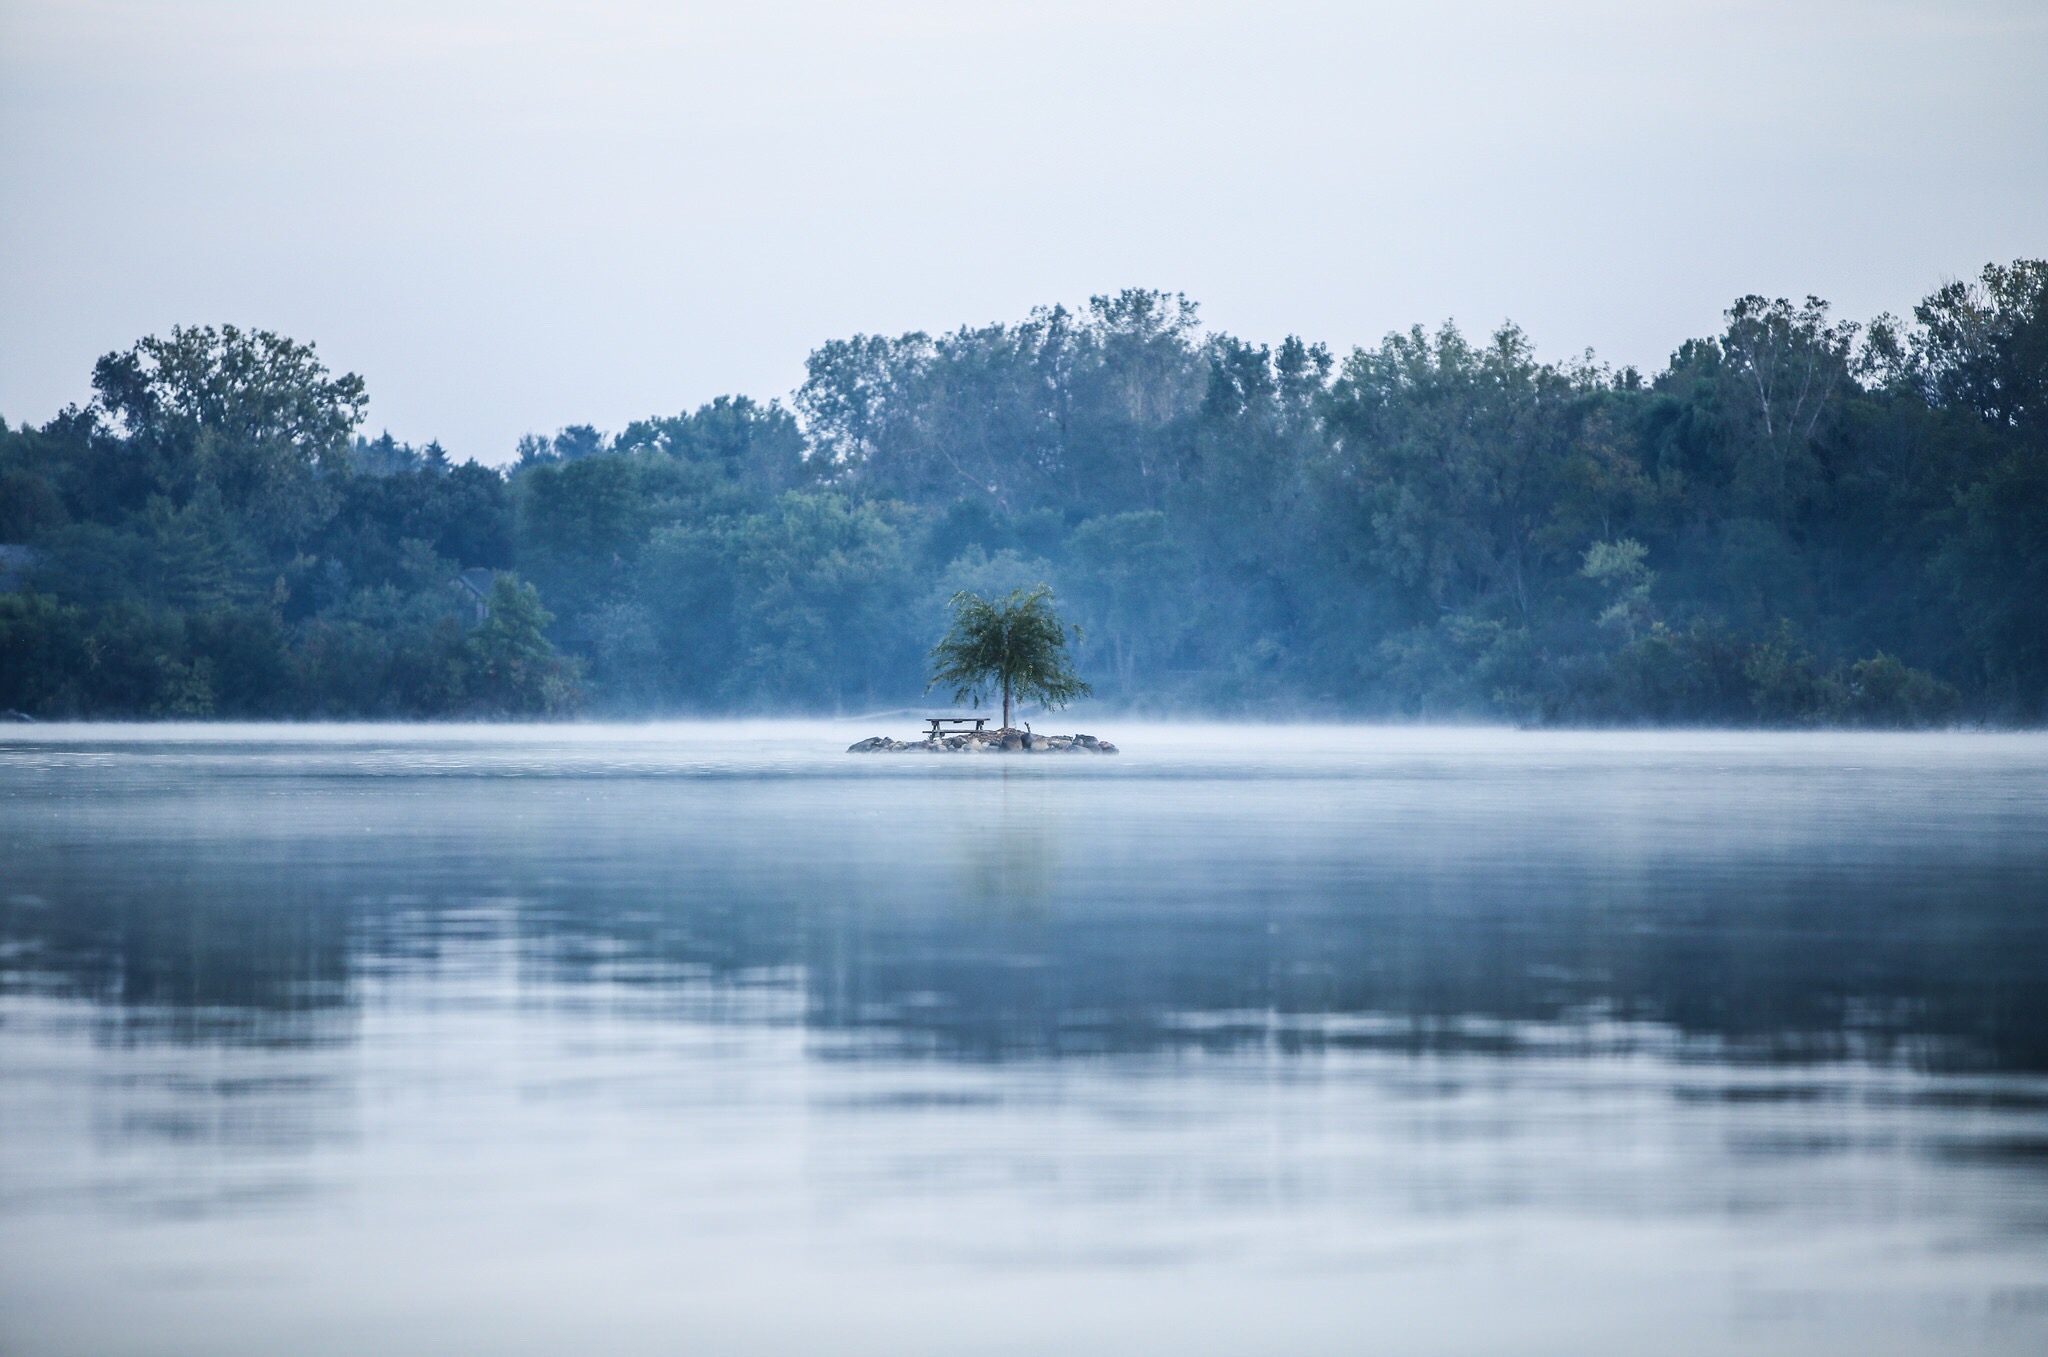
(1016, 644)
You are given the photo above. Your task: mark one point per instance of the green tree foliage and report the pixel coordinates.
(207, 539)
(1995, 566)
(1795, 520)
(1015, 645)
(1057, 408)
(1983, 347)
(1456, 464)
(514, 670)
(1134, 576)
(1620, 568)
(253, 418)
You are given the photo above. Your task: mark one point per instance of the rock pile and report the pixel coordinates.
(1006, 741)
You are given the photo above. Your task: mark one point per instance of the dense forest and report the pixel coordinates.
(1799, 520)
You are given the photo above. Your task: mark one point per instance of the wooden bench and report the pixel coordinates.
(938, 723)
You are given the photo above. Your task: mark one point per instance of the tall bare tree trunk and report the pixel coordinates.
(1006, 703)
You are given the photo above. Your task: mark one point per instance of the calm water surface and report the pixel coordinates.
(713, 1039)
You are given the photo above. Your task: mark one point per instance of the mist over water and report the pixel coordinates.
(713, 1038)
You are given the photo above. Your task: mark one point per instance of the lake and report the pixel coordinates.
(715, 1039)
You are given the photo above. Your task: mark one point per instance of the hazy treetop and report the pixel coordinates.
(522, 217)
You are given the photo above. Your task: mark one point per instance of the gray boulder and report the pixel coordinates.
(985, 742)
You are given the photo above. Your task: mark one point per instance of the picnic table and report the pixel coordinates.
(939, 722)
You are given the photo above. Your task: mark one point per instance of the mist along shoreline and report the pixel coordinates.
(22, 723)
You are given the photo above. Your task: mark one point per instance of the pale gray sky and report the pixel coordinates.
(513, 216)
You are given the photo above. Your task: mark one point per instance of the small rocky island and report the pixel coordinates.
(1005, 741)
(1016, 646)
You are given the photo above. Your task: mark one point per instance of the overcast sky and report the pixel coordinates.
(514, 216)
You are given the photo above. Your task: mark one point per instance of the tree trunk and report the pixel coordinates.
(1006, 704)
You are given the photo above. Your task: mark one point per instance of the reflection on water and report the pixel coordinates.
(712, 1038)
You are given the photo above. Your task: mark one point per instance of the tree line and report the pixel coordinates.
(1799, 520)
